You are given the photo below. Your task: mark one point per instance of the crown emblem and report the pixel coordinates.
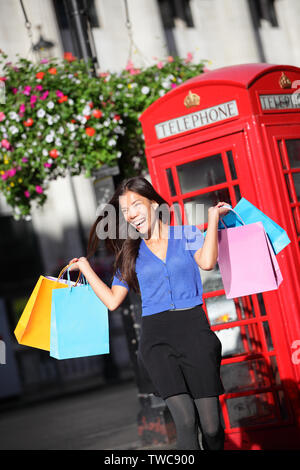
(191, 99)
(284, 81)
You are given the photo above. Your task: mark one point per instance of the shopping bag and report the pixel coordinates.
(33, 328)
(79, 323)
(246, 260)
(250, 214)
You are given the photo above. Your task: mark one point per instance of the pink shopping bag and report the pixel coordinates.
(247, 261)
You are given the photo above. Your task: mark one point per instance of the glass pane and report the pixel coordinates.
(275, 370)
(251, 410)
(268, 336)
(293, 150)
(220, 310)
(261, 304)
(239, 340)
(237, 193)
(171, 182)
(201, 173)
(231, 164)
(296, 217)
(246, 375)
(196, 208)
(211, 280)
(288, 184)
(296, 179)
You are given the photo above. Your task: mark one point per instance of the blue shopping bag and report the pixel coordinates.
(79, 323)
(250, 214)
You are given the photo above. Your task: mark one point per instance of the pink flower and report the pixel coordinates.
(173, 85)
(24, 160)
(44, 61)
(27, 89)
(5, 143)
(27, 193)
(189, 58)
(39, 189)
(2, 116)
(160, 65)
(129, 65)
(39, 87)
(22, 108)
(59, 94)
(15, 90)
(47, 165)
(11, 172)
(170, 58)
(33, 99)
(44, 95)
(4, 176)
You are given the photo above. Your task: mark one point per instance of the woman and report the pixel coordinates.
(161, 262)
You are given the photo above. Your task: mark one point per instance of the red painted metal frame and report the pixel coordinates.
(252, 138)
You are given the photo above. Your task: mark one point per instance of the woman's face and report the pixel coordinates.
(138, 211)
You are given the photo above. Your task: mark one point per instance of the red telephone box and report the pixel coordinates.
(231, 133)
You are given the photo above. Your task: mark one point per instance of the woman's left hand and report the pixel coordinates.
(218, 209)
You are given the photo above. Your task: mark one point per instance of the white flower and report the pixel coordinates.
(13, 115)
(111, 142)
(120, 85)
(61, 130)
(70, 126)
(49, 138)
(14, 130)
(161, 92)
(50, 120)
(50, 105)
(70, 102)
(119, 154)
(165, 84)
(45, 153)
(145, 90)
(86, 110)
(106, 122)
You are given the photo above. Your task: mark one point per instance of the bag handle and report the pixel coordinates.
(66, 268)
(230, 208)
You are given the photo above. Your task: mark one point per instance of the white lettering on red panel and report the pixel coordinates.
(200, 118)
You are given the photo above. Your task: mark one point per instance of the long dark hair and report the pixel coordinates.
(125, 249)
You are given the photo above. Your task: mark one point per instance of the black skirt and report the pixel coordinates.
(181, 353)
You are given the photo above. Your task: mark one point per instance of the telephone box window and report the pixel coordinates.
(296, 179)
(201, 173)
(293, 150)
(231, 164)
(171, 182)
(196, 208)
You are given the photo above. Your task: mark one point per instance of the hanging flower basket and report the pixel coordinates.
(57, 118)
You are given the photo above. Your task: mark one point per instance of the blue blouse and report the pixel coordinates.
(175, 283)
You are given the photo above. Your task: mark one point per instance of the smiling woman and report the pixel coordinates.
(161, 262)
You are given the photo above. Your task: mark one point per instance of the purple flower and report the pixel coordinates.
(44, 61)
(27, 89)
(15, 90)
(24, 160)
(44, 95)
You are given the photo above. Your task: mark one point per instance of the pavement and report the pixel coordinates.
(98, 419)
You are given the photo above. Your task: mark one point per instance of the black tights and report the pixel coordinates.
(188, 414)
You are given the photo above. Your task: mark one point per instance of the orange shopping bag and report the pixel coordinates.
(33, 328)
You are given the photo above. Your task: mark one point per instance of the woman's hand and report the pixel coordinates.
(78, 264)
(219, 210)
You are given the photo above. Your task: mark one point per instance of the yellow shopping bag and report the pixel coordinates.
(33, 328)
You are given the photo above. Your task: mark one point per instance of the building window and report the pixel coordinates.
(171, 10)
(263, 10)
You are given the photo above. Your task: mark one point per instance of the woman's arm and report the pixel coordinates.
(206, 257)
(111, 297)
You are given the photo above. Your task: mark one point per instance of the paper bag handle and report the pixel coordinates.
(230, 208)
(63, 271)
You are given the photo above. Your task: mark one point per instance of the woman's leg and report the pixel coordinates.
(184, 414)
(210, 423)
